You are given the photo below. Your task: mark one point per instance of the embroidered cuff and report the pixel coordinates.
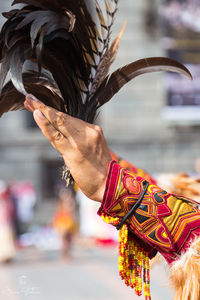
(109, 193)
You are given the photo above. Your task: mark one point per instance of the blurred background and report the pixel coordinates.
(60, 250)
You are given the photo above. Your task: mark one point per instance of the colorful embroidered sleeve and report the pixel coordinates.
(162, 222)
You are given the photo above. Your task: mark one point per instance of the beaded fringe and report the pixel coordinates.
(133, 261)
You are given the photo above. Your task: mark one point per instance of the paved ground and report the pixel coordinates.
(90, 275)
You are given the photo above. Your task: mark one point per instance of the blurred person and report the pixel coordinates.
(25, 200)
(7, 244)
(65, 219)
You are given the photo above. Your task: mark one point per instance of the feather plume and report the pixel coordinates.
(183, 186)
(60, 52)
(70, 40)
(13, 100)
(105, 63)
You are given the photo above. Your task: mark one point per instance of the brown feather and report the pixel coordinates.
(111, 85)
(64, 38)
(107, 60)
(43, 88)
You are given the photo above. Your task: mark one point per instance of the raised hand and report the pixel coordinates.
(82, 146)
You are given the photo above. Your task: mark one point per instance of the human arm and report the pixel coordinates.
(163, 222)
(87, 155)
(82, 146)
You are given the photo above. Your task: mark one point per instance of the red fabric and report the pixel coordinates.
(163, 222)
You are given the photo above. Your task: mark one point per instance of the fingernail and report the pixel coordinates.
(39, 114)
(33, 98)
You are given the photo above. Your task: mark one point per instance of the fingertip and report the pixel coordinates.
(33, 103)
(38, 114)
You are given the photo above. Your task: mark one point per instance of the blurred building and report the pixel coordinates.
(132, 121)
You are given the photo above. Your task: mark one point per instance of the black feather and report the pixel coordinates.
(69, 39)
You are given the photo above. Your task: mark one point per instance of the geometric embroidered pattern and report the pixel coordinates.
(164, 221)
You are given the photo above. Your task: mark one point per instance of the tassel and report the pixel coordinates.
(133, 260)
